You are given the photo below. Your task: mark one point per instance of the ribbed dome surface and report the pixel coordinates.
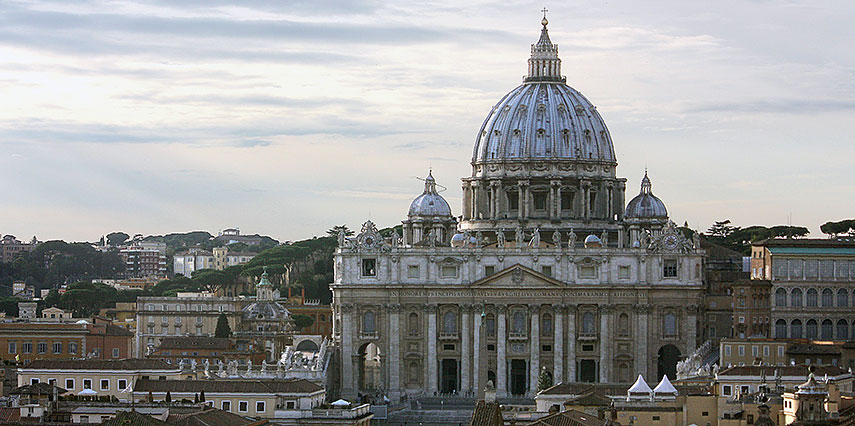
(645, 204)
(430, 203)
(544, 120)
(265, 310)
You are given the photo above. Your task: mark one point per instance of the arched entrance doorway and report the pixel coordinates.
(667, 362)
(370, 368)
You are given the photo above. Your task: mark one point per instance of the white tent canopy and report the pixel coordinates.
(665, 387)
(87, 392)
(340, 403)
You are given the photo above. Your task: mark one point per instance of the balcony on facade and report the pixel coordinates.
(517, 336)
(369, 335)
(448, 336)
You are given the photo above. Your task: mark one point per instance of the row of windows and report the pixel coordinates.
(813, 329)
(121, 384)
(812, 268)
(42, 347)
(812, 297)
(178, 308)
(369, 269)
(243, 406)
(755, 350)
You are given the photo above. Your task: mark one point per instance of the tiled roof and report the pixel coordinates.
(583, 388)
(569, 418)
(10, 414)
(99, 364)
(212, 417)
(813, 349)
(197, 342)
(227, 386)
(590, 399)
(784, 370)
(487, 414)
(41, 388)
(806, 242)
(132, 418)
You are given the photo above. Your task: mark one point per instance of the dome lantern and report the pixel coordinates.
(544, 64)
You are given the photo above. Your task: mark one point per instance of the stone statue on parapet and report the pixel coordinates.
(571, 240)
(556, 239)
(479, 239)
(535, 238)
(500, 238)
(519, 236)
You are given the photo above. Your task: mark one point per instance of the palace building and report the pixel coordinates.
(546, 271)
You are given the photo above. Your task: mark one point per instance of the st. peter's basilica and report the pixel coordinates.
(547, 270)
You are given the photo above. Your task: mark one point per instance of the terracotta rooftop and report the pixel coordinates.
(487, 414)
(583, 388)
(813, 349)
(99, 364)
(231, 386)
(569, 418)
(212, 417)
(196, 342)
(784, 370)
(40, 388)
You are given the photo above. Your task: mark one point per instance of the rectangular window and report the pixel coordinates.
(765, 351)
(115, 352)
(780, 351)
(369, 267)
(72, 347)
(42, 347)
(547, 270)
(243, 406)
(566, 201)
(539, 201)
(412, 271)
(725, 390)
(655, 418)
(259, 406)
(27, 347)
(448, 271)
(623, 272)
(746, 390)
(755, 351)
(489, 270)
(84, 419)
(705, 413)
(121, 384)
(87, 383)
(513, 200)
(669, 268)
(588, 271)
(34, 380)
(57, 347)
(105, 384)
(226, 406)
(741, 350)
(13, 347)
(726, 350)
(290, 405)
(69, 384)
(546, 348)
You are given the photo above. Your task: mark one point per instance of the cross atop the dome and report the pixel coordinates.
(545, 21)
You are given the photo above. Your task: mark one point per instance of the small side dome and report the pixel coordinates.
(430, 203)
(645, 205)
(459, 240)
(593, 241)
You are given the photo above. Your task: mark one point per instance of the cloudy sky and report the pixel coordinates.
(285, 118)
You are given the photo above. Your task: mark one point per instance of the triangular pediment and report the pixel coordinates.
(518, 276)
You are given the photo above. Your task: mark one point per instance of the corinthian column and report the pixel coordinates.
(431, 356)
(605, 343)
(641, 350)
(558, 345)
(571, 343)
(348, 385)
(476, 352)
(464, 349)
(501, 343)
(394, 352)
(534, 372)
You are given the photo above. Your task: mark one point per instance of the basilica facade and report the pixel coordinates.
(547, 271)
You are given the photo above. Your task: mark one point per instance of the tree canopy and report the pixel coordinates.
(740, 239)
(846, 226)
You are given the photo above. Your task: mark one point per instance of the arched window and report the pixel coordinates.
(519, 323)
(623, 324)
(811, 297)
(588, 323)
(669, 328)
(811, 329)
(796, 329)
(368, 325)
(827, 330)
(796, 297)
(780, 329)
(546, 325)
(842, 298)
(842, 330)
(780, 297)
(413, 323)
(827, 298)
(449, 322)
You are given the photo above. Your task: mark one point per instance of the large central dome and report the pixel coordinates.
(544, 118)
